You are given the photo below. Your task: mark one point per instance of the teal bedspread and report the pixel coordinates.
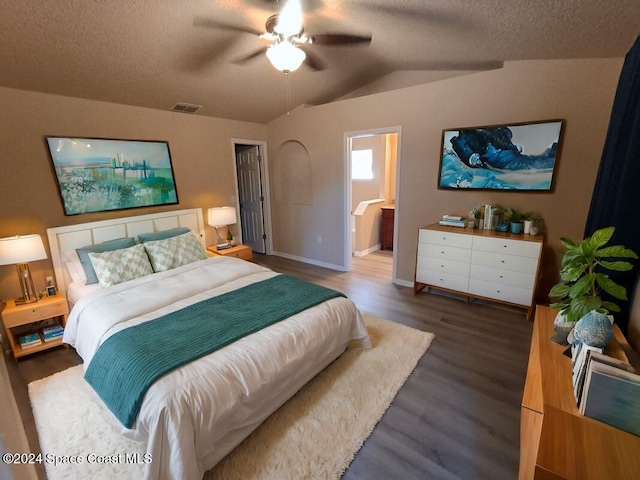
(129, 361)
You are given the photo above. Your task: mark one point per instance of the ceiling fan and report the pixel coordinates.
(285, 33)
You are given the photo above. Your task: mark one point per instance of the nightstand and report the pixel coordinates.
(239, 251)
(16, 316)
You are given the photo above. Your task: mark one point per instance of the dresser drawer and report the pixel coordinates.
(519, 248)
(443, 280)
(443, 265)
(497, 291)
(445, 238)
(444, 252)
(505, 277)
(505, 262)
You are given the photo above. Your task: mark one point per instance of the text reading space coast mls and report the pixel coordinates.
(53, 459)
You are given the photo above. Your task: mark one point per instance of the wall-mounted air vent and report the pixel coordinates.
(185, 107)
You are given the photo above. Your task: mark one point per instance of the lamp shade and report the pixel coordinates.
(21, 249)
(219, 216)
(285, 56)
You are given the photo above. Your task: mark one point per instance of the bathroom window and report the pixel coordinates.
(362, 164)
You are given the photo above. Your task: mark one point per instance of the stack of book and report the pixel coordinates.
(452, 221)
(607, 389)
(52, 333)
(30, 340)
(489, 217)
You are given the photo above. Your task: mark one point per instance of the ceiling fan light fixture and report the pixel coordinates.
(290, 19)
(285, 56)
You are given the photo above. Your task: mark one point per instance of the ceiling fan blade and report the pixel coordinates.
(419, 13)
(204, 56)
(339, 39)
(312, 61)
(211, 23)
(250, 56)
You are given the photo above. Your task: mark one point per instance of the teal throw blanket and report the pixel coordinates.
(129, 361)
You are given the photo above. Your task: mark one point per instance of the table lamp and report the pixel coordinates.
(18, 251)
(222, 217)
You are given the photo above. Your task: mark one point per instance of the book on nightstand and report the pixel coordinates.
(52, 333)
(30, 340)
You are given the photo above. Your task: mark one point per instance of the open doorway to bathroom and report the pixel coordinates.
(372, 161)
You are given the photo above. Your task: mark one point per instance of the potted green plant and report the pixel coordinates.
(515, 219)
(582, 285)
(531, 220)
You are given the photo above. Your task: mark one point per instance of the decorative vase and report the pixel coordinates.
(593, 329)
(502, 227)
(527, 226)
(516, 227)
(561, 328)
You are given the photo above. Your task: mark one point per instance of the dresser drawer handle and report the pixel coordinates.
(501, 261)
(498, 291)
(504, 246)
(501, 276)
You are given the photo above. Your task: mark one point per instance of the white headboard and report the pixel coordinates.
(70, 237)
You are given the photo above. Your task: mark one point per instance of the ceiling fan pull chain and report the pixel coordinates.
(286, 82)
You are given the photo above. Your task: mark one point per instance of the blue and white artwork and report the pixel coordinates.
(96, 175)
(503, 157)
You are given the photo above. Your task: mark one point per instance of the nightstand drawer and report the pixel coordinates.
(33, 312)
(244, 254)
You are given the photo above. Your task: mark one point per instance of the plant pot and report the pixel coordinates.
(516, 227)
(527, 226)
(561, 329)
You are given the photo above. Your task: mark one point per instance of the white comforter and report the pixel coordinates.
(194, 416)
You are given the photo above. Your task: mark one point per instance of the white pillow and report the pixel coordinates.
(117, 266)
(174, 252)
(74, 267)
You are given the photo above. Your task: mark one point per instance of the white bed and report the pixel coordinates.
(195, 415)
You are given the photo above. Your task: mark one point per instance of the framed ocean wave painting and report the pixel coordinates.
(99, 174)
(520, 156)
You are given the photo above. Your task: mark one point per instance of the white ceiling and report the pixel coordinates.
(152, 53)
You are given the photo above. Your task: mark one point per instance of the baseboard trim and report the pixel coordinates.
(311, 261)
(362, 253)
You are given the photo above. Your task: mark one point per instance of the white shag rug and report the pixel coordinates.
(315, 434)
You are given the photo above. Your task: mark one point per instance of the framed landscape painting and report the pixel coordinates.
(520, 156)
(98, 174)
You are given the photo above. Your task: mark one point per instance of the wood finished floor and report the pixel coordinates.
(458, 415)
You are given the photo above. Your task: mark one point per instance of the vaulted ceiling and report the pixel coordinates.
(155, 53)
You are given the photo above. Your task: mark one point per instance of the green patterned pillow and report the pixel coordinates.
(174, 252)
(121, 265)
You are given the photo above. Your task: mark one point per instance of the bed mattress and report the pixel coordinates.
(195, 415)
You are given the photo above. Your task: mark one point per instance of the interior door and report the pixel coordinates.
(250, 196)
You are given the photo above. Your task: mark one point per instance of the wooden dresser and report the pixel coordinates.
(386, 227)
(556, 441)
(491, 265)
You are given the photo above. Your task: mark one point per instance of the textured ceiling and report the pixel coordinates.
(157, 53)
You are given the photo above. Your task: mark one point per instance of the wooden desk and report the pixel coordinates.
(556, 441)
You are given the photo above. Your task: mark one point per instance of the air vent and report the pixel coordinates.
(186, 107)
